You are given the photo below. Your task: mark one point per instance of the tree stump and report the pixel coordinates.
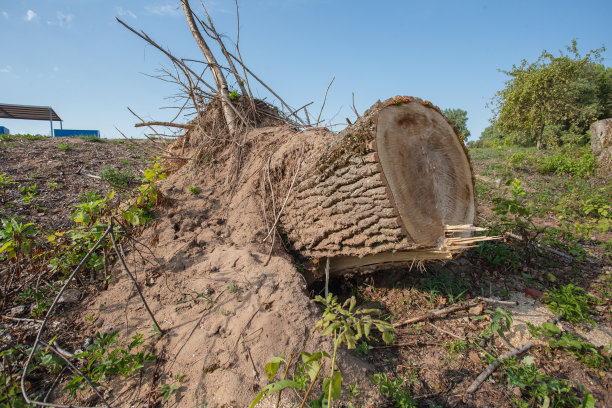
(395, 186)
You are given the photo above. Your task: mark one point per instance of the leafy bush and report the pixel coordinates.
(564, 163)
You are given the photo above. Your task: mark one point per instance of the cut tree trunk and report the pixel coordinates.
(395, 186)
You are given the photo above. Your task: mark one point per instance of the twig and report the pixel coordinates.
(353, 107)
(288, 194)
(300, 108)
(168, 124)
(22, 319)
(494, 365)
(268, 88)
(437, 313)
(327, 278)
(499, 302)
(112, 235)
(453, 308)
(324, 100)
(447, 332)
(278, 400)
(38, 340)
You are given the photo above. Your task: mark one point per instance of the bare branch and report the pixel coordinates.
(324, 99)
(267, 87)
(222, 88)
(354, 108)
(168, 124)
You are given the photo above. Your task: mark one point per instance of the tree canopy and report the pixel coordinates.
(458, 117)
(567, 92)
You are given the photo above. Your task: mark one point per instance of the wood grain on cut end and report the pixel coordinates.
(426, 170)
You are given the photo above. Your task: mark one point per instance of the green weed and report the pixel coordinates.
(396, 390)
(103, 360)
(15, 238)
(166, 390)
(194, 190)
(64, 147)
(571, 303)
(541, 389)
(117, 177)
(583, 350)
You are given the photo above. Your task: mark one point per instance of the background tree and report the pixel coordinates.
(568, 91)
(458, 117)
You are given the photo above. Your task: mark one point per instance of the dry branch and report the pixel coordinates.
(454, 308)
(168, 124)
(222, 88)
(494, 365)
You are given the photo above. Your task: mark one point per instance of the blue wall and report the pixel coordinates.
(4, 130)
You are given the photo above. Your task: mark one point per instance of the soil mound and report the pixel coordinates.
(229, 303)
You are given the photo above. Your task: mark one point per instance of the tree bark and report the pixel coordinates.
(230, 117)
(395, 186)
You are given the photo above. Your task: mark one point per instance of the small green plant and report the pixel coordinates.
(166, 390)
(29, 193)
(397, 390)
(117, 177)
(101, 361)
(15, 238)
(232, 287)
(234, 95)
(92, 206)
(64, 147)
(455, 347)
(5, 183)
(194, 190)
(583, 350)
(139, 212)
(571, 303)
(363, 348)
(541, 389)
(347, 325)
(52, 185)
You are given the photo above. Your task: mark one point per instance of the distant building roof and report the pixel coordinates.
(28, 112)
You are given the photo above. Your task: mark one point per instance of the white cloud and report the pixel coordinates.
(167, 10)
(5, 15)
(64, 20)
(125, 12)
(5, 69)
(30, 15)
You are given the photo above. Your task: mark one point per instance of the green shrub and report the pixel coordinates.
(564, 163)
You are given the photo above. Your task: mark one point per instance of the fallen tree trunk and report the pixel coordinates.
(395, 186)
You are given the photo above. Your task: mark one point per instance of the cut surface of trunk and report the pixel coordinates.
(395, 186)
(426, 170)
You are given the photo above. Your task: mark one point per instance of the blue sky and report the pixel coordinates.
(74, 56)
